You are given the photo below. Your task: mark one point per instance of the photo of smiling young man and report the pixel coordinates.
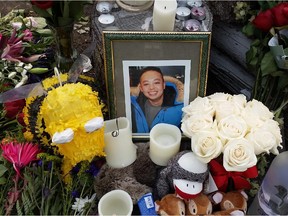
(156, 102)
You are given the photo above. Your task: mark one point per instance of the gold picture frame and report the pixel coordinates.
(125, 49)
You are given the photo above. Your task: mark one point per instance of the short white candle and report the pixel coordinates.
(103, 7)
(165, 142)
(183, 13)
(119, 148)
(115, 202)
(164, 13)
(192, 3)
(106, 20)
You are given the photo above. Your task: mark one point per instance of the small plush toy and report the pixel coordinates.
(184, 175)
(170, 204)
(200, 205)
(136, 179)
(232, 200)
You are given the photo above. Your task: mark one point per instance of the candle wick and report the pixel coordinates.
(165, 7)
(115, 133)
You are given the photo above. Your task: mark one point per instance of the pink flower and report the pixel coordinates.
(27, 35)
(19, 154)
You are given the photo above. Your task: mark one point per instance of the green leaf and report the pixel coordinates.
(38, 70)
(41, 12)
(3, 180)
(3, 169)
(44, 32)
(255, 43)
(268, 64)
(249, 29)
(251, 54)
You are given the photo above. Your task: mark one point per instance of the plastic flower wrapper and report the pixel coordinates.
(238, 131)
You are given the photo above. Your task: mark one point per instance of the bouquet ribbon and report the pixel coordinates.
(221, 176)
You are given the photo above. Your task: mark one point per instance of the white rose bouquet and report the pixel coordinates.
(230, 130)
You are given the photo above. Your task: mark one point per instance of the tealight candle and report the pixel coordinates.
(103, 7)
(192, 25)
(119, 148)
(164, 13)
(183, 13)
(192, 3)
(106, 20)
(115, 202)
(181, 3)
(165, 142)
(198, 13)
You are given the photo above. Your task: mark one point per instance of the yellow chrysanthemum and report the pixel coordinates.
(28, 135)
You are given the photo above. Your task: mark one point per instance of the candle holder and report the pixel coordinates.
(135, 5)
(165, 142)
(106, 20)
(183, 13)
(115, 202)
(104, 7)
(119, 148)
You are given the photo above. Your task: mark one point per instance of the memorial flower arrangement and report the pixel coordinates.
(36, 175)
(271, 84)
(23, 48)
(230, 133)
(31, 182)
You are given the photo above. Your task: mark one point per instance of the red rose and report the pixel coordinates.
(13, 108)
(20, 118)
(264, 21)
(42, 4)
(280, 14)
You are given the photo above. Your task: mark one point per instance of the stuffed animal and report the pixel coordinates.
(170, 204)
(136, 179)
(200, 205)
(230, 201)
(184, 174)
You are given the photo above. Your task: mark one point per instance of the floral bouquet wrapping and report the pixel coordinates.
(228, 132)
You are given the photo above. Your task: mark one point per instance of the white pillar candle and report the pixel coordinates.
(115, 202)
(164, 13)
(119, 148)
(165, 142)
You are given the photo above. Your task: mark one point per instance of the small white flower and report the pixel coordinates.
(28, 66)
(12, 75)
(80, 203)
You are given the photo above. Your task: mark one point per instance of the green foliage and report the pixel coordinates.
(271, 82)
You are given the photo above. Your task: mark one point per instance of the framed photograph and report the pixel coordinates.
(179, 58)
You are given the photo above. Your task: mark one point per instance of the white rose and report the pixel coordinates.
(198, 106)
(231, 127)
(206, 145)
(193, 124)
(256, 113)
(219, 97)
(239, 100)
(261, 140)
(233, 105)
(266, 138)
(238, 155)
